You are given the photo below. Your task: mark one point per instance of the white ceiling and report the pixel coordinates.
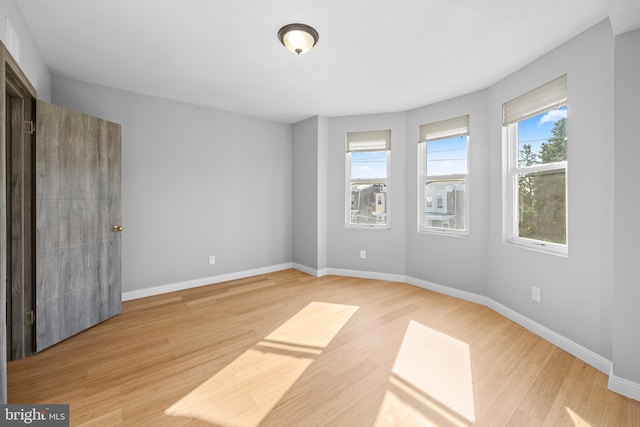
(373, 55)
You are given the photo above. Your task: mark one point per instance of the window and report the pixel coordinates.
(535, 135)
(367, 171)
(443, 169)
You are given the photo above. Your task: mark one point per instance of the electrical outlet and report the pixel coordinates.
(212, 259)
(535, 293)
(363, 254)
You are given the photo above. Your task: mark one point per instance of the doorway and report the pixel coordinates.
(20, 217)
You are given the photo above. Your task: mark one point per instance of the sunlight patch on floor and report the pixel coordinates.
(244, 392)
(396, 410)
(576, 419)
(431, 381)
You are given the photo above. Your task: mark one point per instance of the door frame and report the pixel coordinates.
(21, 218)
(8, 68)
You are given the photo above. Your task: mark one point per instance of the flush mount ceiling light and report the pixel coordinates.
(298, 38)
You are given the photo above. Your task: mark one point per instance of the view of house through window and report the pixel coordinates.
(368, 178)
(443, 176)
(537, 143)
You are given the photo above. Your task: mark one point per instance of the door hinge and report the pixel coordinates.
(29, 127)
(29, 317)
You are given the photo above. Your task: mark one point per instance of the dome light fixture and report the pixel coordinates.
(298, 38)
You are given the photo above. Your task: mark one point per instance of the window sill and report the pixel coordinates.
(543, 247)
(367, 227)
(444, 232)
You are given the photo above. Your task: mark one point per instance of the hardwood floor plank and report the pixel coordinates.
(261, 351)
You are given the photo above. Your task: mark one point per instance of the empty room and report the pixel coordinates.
(294, 213)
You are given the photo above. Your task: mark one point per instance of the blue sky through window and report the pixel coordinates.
(447, 156)
(368, 164)
(536, 130)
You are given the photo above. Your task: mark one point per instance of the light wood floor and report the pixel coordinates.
(287, 349)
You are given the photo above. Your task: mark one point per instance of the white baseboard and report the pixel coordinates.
(309, 271)
(624, 387)
(366, 274)
(571, 347)
(172, 287)
(457, 293)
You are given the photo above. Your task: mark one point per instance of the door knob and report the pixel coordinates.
(117, 228)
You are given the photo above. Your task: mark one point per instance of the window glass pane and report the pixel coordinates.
(444, 206)
(368, 164)
(542, 206)
(447, 156)
(543, 138)
(368, 203)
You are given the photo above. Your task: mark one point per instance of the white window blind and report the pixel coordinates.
(534, 102)
(457, 126)
(377, 140)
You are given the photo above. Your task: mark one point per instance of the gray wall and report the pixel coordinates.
(458, 262)
(576, 291)
(323, 170)
(195, 182)
(305, 193)
(626, 319)
(30, 59)
(309, 143)
(385, 248)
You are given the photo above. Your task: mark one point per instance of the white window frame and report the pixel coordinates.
(368, 141)
(458, 126)
(528, 105)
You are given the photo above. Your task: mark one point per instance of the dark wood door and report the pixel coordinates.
(78, 242)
